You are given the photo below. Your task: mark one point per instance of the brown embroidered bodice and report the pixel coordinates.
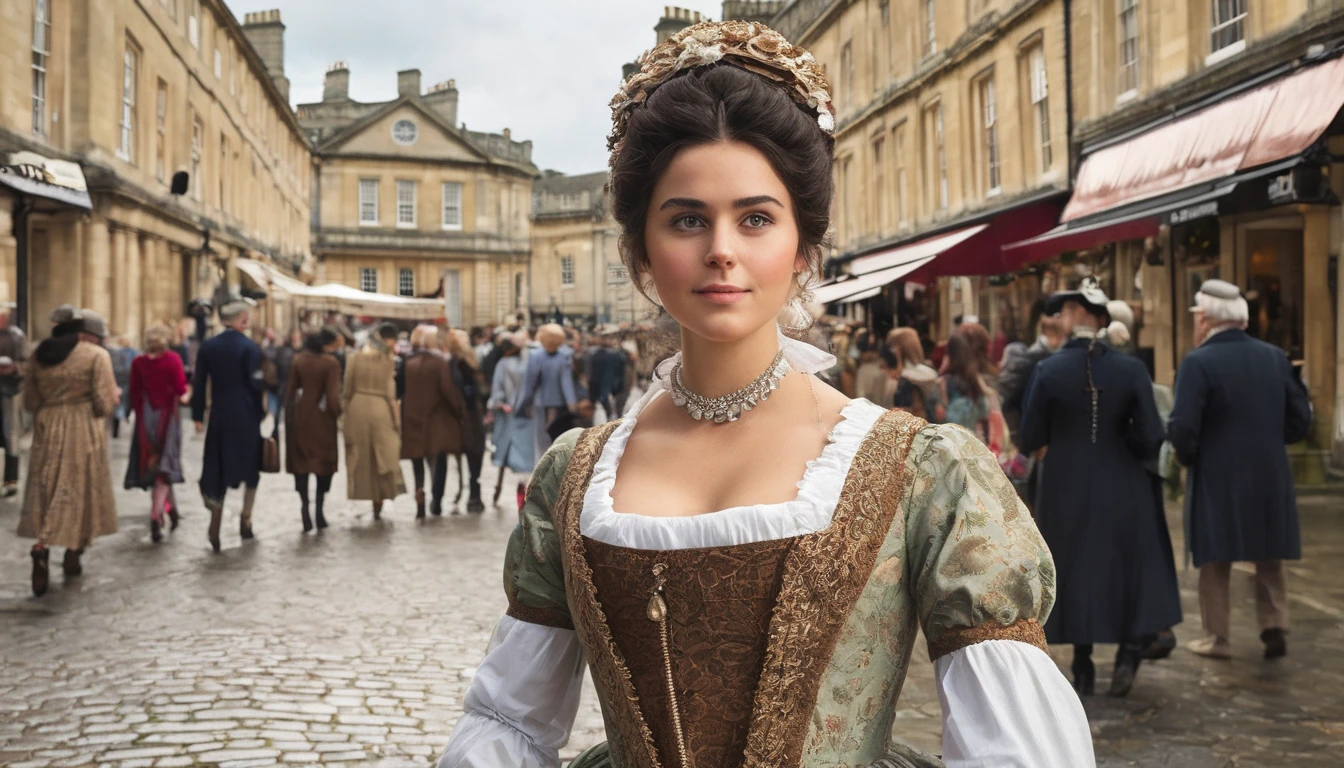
(719, 604)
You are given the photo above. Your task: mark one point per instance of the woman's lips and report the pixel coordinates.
(722, 294)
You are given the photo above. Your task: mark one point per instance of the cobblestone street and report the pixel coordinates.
(355, 647)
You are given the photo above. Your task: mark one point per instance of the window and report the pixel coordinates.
(617, 274)
(223, 166)
(194, 23)
(41, 50)
(161, 131)
(1229, 25)
(197, 144)
(566, 271)
(990, 135)
(368, 279)
(884, 7)
(219, 65)
(406, 204)
(129, 65)
(452, 297)
(1040, 108)
(1129, 45)
(847, 73)
(936, 158)
(405, 282)
(233, 70)
(898, 149)
(879, 184)
(930, 28)
(171, 5)
(452, 205)
(368, 202)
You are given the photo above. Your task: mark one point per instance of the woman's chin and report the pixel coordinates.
(725, 328)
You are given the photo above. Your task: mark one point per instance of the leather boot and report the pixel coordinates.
(41, 574)
(377, 510)
(216, 517)
(321, 519)
(1084, 672)
(1127, 660)
(155, 531)
(1276, 644)
(307, 520)
(436, 507)
(71, 566)
(420, 504)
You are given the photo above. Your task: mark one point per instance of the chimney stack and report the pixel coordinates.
(674, 20)
(266, 33)
(408, 82)
(336, 87)
(442, 98)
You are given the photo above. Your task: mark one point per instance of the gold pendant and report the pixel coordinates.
(657, 608)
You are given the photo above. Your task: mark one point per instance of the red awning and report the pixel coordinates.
(1277, 120)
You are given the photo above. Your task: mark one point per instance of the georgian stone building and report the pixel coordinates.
(118, 96)
(411, 203)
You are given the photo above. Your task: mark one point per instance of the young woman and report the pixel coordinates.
(312, 409)
(431, 417)
(467, 378)
(745, 560)
(515, 446)
(158, 385)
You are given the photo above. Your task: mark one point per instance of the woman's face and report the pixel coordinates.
(722, 241)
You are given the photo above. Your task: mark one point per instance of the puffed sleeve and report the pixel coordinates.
(522, 701)
(984, 584)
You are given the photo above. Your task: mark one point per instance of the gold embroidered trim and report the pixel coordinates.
(543, 616)
(1023, 630)
(626, 728)
(823, 578)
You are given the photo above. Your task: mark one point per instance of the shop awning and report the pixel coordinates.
(860, 296)
(871, 282)
(334, 297)
(911, 252)
(1277, 120)
(43, 178)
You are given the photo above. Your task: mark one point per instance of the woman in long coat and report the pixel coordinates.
(372, 431)
(68, 498)
(158, 384)
(312, 406)
(462, 362)
(515, 445)
(431, 416)
(1097, 506)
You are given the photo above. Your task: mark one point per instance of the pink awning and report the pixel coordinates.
(911, 252)
(1277, 120)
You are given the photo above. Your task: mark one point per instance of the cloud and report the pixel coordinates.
(544, 68)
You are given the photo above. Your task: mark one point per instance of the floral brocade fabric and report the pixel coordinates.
(928, 533)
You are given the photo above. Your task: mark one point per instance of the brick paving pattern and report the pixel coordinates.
(354, 647)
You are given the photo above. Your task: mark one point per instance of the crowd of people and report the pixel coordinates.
(421, 396)
(1079, 427)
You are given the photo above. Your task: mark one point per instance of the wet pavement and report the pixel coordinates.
(354, 647)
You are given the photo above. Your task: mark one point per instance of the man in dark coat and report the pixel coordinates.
(1098, 508)
(606, 374)
(1238, 403)
(229, 366)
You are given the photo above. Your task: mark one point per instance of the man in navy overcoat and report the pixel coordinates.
(229, 367)
(1238, 403)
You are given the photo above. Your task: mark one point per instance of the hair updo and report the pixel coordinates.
(722, 102)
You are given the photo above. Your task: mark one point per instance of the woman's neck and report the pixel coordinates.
(714, 368)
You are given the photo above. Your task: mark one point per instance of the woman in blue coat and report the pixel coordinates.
(1098, 508)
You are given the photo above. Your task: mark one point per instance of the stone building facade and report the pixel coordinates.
(409, 202)
(576, 269)
(132, 93)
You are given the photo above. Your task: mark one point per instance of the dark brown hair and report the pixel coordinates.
(963, 363)
(722, 102)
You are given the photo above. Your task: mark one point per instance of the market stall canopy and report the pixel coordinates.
(334, 297)
(907, 253)
(43, 178)
(871, 282)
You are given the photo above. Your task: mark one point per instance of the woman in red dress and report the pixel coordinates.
(158, 386)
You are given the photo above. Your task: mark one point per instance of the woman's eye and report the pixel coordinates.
(757, 220)
(689, 221)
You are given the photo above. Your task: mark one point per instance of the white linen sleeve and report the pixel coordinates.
(1006, 705)
(522, 701)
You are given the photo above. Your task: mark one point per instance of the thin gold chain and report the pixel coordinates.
(816, 403)
(658, 612)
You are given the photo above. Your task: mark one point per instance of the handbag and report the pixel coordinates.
(270, 449)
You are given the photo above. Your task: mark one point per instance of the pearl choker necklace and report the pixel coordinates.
(731, 406)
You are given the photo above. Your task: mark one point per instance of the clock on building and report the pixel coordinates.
(404, 132)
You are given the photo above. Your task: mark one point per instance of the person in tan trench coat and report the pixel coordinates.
(68, 498)
(372, 431)
(431, 417)
(312, 408)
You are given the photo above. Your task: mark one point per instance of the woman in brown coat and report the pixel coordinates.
(312, 406)
(68, 500)
(372, 432)
(431, 416)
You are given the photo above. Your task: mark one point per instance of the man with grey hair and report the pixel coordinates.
(229, 366)
(1238, 403)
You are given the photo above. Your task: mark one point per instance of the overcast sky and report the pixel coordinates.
(544, 68)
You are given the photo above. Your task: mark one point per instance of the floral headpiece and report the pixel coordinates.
(747, 44)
